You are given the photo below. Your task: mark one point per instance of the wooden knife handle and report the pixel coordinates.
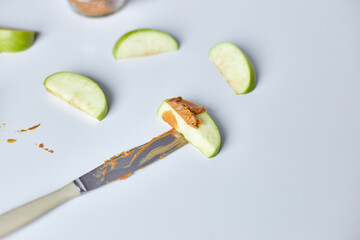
(22, 215)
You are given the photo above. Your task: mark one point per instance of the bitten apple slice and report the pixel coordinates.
(234, 66)
(12, 40)
(193, 122)
(143, 42)
(80, 91)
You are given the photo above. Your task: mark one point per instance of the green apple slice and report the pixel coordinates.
(79, 91)
(234, 66)
(205, 138)
(143, 42)
(12, 40)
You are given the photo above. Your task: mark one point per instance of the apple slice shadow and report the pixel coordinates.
(38, 35)
(220, 126)
(174, 36)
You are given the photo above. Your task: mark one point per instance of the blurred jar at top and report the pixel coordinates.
(96, 8)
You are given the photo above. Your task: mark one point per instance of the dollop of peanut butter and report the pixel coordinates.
(169, 117)
(187, 111)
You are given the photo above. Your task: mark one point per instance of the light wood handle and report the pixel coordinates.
(20, 216)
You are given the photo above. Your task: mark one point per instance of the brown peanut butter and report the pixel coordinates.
(29, 129)
(160, 152)
(186, 110)
(168, 117)
(41, 145)
(94, 7)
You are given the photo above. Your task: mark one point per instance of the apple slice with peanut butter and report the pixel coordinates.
(193, 122)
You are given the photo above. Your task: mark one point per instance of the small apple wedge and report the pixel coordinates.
(143, 42)
(234, 66)
(12, 40)
(193, 122)
(79, 91)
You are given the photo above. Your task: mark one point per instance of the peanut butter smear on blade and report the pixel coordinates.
(121, 178)
(11, 140)
(113, 161)
(187, 111)
(149, 143)
(125, 176)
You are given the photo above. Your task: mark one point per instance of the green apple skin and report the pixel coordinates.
(252, 76)
(15, 40)
(253, 80)
(103, 114)
(126, 36)
(95, 98)
(206, 138)
(217, 149)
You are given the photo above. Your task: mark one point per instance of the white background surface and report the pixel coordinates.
(289, 167)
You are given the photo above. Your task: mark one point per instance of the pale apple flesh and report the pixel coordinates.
(143, 42)
(234, 66)
(79, 91)
(206, 138)
(12, 40)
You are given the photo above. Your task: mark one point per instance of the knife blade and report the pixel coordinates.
(116, 168)
(126, 163)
